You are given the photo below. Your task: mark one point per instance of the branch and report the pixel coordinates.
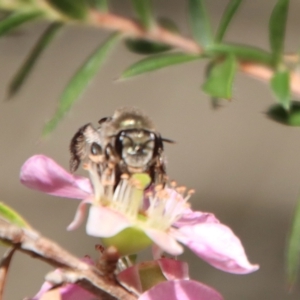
(265, 73)
(4, 266)
(88, 277)
(159, 34)
(133, 29)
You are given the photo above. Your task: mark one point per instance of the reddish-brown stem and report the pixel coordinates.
(265, 73)
(158, 34)
(32, 243)
(4, 266)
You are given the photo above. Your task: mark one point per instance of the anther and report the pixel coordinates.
(173, 183)
(158, 187)
(124, 176)
(191, 192)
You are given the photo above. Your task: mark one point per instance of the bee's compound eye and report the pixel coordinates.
(96, 149)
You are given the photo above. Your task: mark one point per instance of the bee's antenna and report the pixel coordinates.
(168, 140)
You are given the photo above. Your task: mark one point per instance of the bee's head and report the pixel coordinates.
(137, 147)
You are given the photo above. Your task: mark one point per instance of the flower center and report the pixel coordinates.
(157, 207)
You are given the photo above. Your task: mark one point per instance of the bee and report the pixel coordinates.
(127, 142)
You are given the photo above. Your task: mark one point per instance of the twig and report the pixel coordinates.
(158, 34)
(4, 266)
(264, 73)
(88, 277)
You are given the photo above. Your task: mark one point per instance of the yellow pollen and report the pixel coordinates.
(158, 187)
(111, 165)
(134, 182)
(124, 176)
(173, 184)
(191, 192)
(181, 189)
(107, 182)
(149, 194)
(86, 166)
(108, 172)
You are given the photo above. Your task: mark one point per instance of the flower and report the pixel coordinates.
(181, 289)
(165, 278)
(122, 218)
(161, 279)
(65, 292)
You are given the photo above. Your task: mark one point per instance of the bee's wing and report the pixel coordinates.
(81, 143)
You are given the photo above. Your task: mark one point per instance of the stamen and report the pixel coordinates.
(173, 184)
(94, 177)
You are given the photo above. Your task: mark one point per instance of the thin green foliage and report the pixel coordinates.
(80, 81)
(293, 249)
(157, 62)
(143, 9)
(280, 84)
(280, 115)
(32, 58)
(10, 215)
(73, 9)
(277, 27)
(16, 19)
(241, 52)
(101, 5)
(200, 22)
(220, 79)
(230, 11)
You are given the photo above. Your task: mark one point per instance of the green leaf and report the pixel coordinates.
(220, 80)
(293, 249)
(16, 19)
(11, 216)
(214, 101)
(32, 58)
(291, 118)
(157, 62)
(241, 52)
(143, 9)
(231, 9)
(80, 81)
(74, 9)
(280, 84)
(142, 46)
(200, 23)
(101, 5)
(277, 26)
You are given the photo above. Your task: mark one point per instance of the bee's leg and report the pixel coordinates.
(158, 172)
(113, 165)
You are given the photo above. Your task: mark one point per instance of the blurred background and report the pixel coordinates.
(244, 167)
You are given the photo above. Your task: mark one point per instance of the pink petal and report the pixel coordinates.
(164, 241)
(105, 222)
(46, 286)
(181, 290)
(156, 252)
(217, 244)
(130, 279)
(69, 291)
(195, 217)
(74, 292)
(80, 214)
(174, 269)
(42, 173)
